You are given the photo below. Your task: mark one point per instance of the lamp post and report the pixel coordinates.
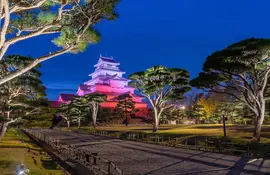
(224, 125)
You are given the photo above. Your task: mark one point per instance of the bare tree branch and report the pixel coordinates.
(16, 8)
(13, 120)
(6, 23)
(34, 64)
(23, 37)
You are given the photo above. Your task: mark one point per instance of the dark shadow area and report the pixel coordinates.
(49, 164)
(239, 166)
(5, 164)
(156, 170)
(180, 157)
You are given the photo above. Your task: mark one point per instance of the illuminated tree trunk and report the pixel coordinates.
(79, 123)
(8, 114)
(259, 121)
(157, 118)
(155, 127)
(3, 129)
(5, 126)
(68, 123)
(94, 114)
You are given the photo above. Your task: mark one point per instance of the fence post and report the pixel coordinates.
(109, 168)
(94, 155)
(248, 149)
(219, 147)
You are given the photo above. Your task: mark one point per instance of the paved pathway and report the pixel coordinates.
(141, 158)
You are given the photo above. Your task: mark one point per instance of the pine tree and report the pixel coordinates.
(125, 105)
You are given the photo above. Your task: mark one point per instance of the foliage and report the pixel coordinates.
(209, 104)
(232, 110)
(71, 22)
(21, 97)
(125, 105)
(24, 94)
(78, 110)
(161, 86)
(87, 103)
(193, 110)
(241, 70)
(173, 113)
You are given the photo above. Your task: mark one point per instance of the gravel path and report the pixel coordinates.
(141, 158)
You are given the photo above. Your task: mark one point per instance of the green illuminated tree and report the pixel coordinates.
(241, 70)
(71, 21)
(23, 96)
(161, 86)
(173, 113)
(64, 111)
(90, 103)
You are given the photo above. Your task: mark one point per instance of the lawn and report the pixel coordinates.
(239, 133)
(16, 148)
(198, 129)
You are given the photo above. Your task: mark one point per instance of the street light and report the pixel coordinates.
(183, 107)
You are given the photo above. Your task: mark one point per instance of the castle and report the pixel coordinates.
(107, 79)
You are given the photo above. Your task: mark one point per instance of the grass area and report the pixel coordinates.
(16, 148)
(233, 131)
(239, 135)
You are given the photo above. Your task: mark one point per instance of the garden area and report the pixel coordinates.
(16, 149)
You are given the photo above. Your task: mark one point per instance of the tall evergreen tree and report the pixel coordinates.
(125, 105)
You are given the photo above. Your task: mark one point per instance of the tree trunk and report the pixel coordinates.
(79, 123)
(3, 129)
(8, 114)
(94, 114)
(68, 123)
(258, 127)
(155, 127)
(258, 122)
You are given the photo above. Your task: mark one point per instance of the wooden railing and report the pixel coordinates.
(90, 160)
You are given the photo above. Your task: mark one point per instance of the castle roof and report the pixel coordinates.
(84, 87)
(66, 97)
(111, 60)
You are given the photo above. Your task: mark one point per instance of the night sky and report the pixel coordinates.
(173, 33)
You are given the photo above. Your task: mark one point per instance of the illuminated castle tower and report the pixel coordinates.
(108, 79)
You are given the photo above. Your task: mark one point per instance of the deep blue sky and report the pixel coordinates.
(173, 33)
